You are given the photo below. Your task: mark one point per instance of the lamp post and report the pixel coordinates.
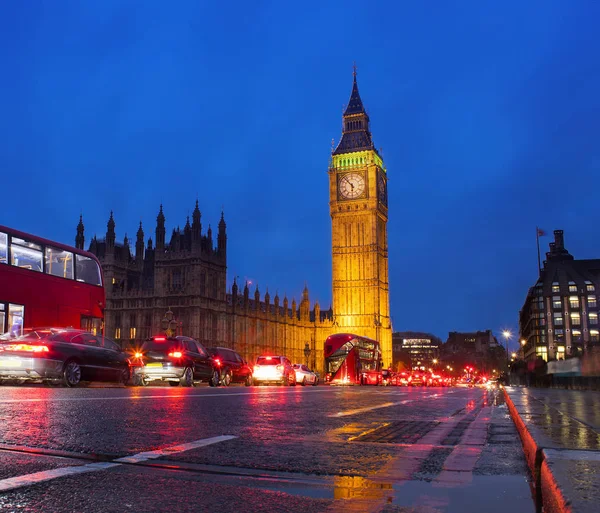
(507, 334)
(169, 324)
(306, 352)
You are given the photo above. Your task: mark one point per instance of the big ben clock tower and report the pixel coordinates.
(359, 213)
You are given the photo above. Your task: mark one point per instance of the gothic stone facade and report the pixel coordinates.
(188, 276)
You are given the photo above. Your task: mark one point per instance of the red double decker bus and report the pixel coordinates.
(44, 283)
(352, 360)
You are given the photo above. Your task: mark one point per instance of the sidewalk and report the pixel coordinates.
(560, 433)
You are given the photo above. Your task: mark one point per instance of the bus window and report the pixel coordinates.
(3, 248)
(26, 254)
(15, 319)
(59, 262)
(88, 270)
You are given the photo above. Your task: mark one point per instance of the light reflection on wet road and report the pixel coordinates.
(295, 449)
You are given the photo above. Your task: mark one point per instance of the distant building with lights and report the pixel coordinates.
(559, 317)
(414, 349)
(477, 348)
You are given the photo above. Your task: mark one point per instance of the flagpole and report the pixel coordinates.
(537, 237)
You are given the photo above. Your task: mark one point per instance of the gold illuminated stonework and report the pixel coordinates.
(360, 278)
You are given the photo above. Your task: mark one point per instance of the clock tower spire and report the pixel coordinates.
(359, 213)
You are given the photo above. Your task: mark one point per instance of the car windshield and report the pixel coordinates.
(268, 360)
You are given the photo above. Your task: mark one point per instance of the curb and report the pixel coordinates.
(548, 494)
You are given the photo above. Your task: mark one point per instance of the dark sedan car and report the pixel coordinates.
(234, 369)
(177, 360)
(62, 355)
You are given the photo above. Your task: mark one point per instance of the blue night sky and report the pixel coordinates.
(488, 115)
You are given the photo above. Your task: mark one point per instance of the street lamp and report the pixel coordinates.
(523, 342)
(169, 324)
(306, 352)
(506, 334)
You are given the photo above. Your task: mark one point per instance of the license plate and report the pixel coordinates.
(154, 365)
(10, 363)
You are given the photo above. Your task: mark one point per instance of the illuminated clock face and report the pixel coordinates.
(351, 185)
(382, 189)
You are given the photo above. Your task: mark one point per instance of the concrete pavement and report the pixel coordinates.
(560, 433)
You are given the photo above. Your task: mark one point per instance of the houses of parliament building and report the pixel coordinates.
(187, 272)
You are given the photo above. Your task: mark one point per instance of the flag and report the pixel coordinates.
(540, 232)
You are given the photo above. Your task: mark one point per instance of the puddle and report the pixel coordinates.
(492, 494)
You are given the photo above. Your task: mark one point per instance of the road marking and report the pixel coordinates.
(38, 477)
(140, 397)
(368, 408)
(151, 455)
(378, 406)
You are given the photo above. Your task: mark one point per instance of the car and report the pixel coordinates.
(180, 361)
(304, 375)
(403, 379)
(389, 377)
(273, 369)
(417, 379)
(65, 356)
(234, 369)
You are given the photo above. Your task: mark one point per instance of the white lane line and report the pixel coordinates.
(368, 408)
(151, 455)
(46, 475)
(140, 397)
(378, 406)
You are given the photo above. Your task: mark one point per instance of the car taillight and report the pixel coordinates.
(25, 347)
(279, 367)
(176, 354)
(159, 339)
(217, 362)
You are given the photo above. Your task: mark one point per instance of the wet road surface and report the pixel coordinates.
(260, 449)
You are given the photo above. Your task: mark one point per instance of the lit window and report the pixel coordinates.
(543, 352)
(117, 332)
(555, 287)
(559, 333)
(589, 286)
(3, 248)
(593, 318)
(591, 301)
(576, 333)
(594, 336)
(575, 318)
(560, 355)
(574, 302)
(132, 333)
(556, 302)
(59, 262)
(558, 319)
(15, 320)
(88, 270)
(572, 286)
(26, 254)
